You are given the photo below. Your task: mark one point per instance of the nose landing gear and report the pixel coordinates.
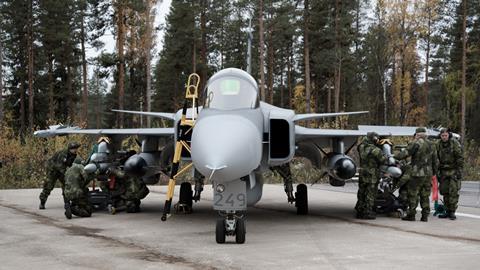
(232, 224)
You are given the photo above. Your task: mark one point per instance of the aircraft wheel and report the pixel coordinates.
(186, 194)
(220, 231)
(301, 199)
(240, 231)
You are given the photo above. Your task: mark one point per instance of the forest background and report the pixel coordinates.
(408, 62)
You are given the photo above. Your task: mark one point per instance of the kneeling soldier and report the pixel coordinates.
(77, 178)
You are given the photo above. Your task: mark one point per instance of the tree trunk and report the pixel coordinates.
(84, 71)
(306, 58)
(51, 85)
(270, 65)
(71, 94)
(260, 49)
(99, 97)
(1, 83)
(464, 68)
(30, 65)
(338, 56)
(281, 87)
(289, 80)
(121, 59)
(22, 106)
(203, 50)
(427, 62)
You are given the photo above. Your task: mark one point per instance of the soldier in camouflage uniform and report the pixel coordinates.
(424, 164)
(76, 190)
(371, 158)
(450, 158)
(56, 167)
(135, 190)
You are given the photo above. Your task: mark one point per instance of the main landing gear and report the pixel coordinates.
(233, 224)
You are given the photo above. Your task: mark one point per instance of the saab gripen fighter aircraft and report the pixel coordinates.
(231, 140)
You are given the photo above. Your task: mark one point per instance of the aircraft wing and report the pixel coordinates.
(62, 130)
(307, 116)
(321, 137)
(169, 116)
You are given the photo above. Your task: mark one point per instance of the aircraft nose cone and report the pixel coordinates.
(229, 146)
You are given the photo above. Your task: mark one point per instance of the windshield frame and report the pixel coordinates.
(248, 91)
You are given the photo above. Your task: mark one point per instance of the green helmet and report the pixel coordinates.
(73, 145)
(78, 160)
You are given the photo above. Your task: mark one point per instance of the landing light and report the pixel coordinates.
(220, 188)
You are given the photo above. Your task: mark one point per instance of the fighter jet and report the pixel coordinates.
(236, 137)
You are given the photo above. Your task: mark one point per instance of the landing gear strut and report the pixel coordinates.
(185, 201)
(233, 224)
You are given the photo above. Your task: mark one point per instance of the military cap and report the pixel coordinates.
(73, 145)
(420, 130)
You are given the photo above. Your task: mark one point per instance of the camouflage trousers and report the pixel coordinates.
(81, 207)
(367, 192)
(449, 189)
(286, 174)
(49, 184)
(135, 190)
(419, 188)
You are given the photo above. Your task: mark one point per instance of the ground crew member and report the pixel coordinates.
(56, 167)
(371, 158)
(450, 156)
(77, 178)
(135, 190)
(424, 164)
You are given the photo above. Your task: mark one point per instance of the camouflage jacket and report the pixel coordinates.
(450, 156)
(371, 157)
(61, 160)
(424, 161)
(76, 182)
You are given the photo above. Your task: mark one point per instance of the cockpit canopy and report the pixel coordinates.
(231, 89)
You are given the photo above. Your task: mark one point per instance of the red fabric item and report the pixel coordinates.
(434, 188)
(111, 182)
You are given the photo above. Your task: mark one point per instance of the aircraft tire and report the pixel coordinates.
(301, 199)
(220, 232)
(240, 231)
(186, 194)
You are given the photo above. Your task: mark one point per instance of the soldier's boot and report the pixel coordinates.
(424, 218)
(68, 210)
(359, 215)
(289, 192)
(370, 215)
(199, 180)
(131, 207)
(409, 218)
(444, 215)
(198, 192)
(42, 204)
(452, 216)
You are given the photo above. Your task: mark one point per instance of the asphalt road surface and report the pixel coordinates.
(328, 238)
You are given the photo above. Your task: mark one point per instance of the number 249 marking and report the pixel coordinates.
(230, 201)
